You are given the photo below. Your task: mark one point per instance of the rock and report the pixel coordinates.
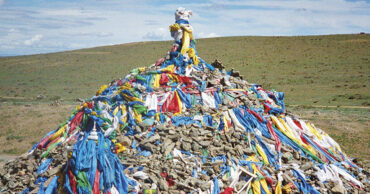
(296, 155)
(205, 177)
(248, 151)
(12, 184)
(124, 140)
(169, 149)
(195, 146)
(216, 143)
(54, 170)
(237, 135)
(204, 143)
(80, 100)
(287, 157)
(151, 139)
(239, 150)
(307, 165)
(7, 176)
(218, 64)
(194, 133)
(288, 178)
(338, 189)
(186, 146)
(21, 173)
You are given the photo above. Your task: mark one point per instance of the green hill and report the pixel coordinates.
(320, 70)
(331, 70)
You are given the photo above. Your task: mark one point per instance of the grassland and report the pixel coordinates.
(331, 70)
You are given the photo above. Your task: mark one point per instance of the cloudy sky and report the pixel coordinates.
(42, 26)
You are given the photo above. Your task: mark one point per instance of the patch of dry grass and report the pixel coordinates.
(22, 126)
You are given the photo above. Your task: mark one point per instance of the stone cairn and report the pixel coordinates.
(182, 125)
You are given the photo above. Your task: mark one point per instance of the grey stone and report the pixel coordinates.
(195, 146)
(126, 141)
(186, 146)
(151, 139)
(306, 166)
(205, 143)
(169, 149)
(12, 184)
(287, 156)
(338, 189)
(296, 155)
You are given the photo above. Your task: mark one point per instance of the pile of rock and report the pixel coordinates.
(183, 125)
(21, 173)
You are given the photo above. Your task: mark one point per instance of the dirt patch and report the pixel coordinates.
(22, 126)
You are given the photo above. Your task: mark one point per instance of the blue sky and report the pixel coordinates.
(42, 26)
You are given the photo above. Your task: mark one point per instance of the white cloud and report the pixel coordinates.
(105, 34)
(295, 17)
(157, 34)
(35, 39)
(66, 12)
(75, 46)
(88, 34)
(318, 5)
(207, 35)
(11, 30)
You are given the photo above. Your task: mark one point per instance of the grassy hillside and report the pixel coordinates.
(312, 70)
(321, 70)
